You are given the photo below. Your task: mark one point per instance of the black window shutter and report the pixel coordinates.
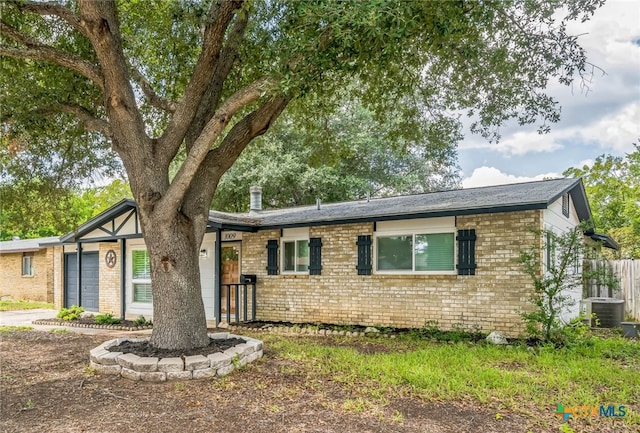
(315, 256)
(466, 252)
(364, 255)
(272, 257)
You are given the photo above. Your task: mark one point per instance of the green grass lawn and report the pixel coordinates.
(11, 305)
(596, 371)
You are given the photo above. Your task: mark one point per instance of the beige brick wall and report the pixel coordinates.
(58, 277)
(109, 300)
(38, 287)
(491, 299)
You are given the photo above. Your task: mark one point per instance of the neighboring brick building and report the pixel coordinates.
(449, 258)
(27, 269)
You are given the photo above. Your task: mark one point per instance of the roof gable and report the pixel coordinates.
(120, 220)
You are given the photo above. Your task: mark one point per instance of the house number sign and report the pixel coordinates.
(110, 258)
(231, 236)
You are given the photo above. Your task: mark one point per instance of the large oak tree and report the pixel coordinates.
(156, 80)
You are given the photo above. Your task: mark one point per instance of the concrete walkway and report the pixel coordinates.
(25, 317)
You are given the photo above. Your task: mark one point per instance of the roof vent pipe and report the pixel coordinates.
(318, 203)
(255, 204)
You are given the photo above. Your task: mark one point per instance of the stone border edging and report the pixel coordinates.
(151, 369)
(300, 330)
(72, 324)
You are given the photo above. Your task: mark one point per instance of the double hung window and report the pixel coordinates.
(422, 246)
(141, 276)
(27, 264)
(295, 251)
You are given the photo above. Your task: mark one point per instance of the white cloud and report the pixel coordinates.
(586, 162)
(606, 112)
(485, 176)
(613, 133)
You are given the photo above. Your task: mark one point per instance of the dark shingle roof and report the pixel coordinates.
(25, 245)
(491, 199)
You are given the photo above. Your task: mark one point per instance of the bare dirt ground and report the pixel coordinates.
(45, 386)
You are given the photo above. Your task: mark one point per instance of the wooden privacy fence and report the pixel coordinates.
(628, 274)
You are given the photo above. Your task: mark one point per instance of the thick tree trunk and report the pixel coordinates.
(179, 320)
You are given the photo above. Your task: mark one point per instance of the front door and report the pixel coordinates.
(230, 276)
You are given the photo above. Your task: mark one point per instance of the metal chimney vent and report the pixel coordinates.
(255, 204)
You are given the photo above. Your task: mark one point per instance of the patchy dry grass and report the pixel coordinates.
(326, 384)
(10, 305)
(598, 371)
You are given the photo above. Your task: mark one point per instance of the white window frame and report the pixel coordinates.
(295, 236)
(27, 264)
(444, 225)
(134, 281)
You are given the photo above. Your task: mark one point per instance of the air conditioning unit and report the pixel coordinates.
(604, 312)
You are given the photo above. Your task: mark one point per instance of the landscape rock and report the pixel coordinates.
(496, 338)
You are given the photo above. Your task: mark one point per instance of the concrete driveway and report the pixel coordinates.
(25, 317)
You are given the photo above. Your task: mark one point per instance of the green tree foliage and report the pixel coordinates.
(33, 209)
(159, 80)
(344, 156)
(613, 188)
(554, 278)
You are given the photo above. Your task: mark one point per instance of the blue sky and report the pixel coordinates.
(604, 119)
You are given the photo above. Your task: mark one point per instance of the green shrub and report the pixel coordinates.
(71, 313)
(141, 321)
(458, 333)
(106, 319)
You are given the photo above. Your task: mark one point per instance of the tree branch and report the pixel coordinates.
(220, 159)
(152, 97)
(36, 51)
(128, 127)
(221, 13)
(89, 121)
(211, 98)
(252, 125)
(170, 202)
(53, 9)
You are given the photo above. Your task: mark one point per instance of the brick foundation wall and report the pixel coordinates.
(493, 299)
(38, 287)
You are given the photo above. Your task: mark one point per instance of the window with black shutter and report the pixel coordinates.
(272, 257)
(315, 256)
(466, 252)
(364, 255)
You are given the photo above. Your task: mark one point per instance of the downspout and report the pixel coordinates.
(216, 276)
(123, 269)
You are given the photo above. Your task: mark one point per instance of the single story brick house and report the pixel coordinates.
(27, 268)
(447, 257)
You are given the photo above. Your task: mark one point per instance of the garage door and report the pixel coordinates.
(89, 293)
